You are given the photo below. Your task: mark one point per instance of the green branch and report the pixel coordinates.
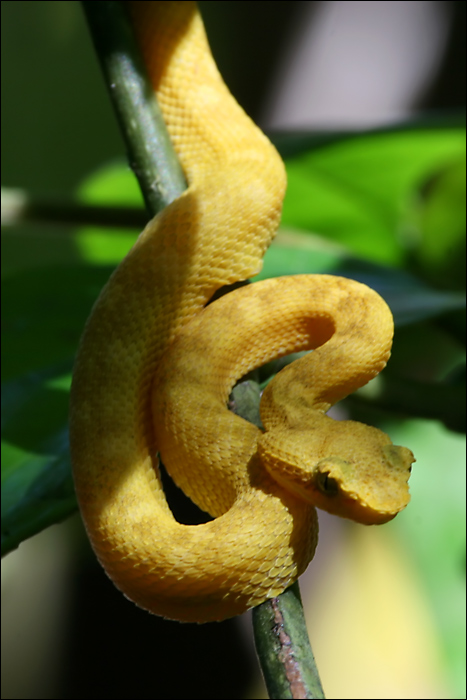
(150, 152)
(284, 648)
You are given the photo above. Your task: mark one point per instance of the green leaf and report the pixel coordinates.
(113, 184)
(37, 487)
(294, 143)
(441, 222)
(43, 314)
(41, 326)
(358, 191)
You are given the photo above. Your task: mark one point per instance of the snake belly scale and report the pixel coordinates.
(155, 367)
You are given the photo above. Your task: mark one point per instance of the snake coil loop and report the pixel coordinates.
(155, 368)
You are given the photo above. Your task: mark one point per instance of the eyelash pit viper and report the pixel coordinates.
(156, 365)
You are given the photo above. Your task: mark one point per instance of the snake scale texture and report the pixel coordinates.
(156, 366)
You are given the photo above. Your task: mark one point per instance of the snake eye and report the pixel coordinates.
(326, 484)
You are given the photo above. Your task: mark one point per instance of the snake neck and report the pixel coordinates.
(208, 129)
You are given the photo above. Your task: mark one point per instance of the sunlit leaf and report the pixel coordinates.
(358, 192)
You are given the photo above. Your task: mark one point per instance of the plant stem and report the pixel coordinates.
(284, 649)
(150, 151)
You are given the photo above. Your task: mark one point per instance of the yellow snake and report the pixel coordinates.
(155, 368)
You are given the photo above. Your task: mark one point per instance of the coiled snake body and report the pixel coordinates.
(155, 368)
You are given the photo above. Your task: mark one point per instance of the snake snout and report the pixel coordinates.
(399, 458)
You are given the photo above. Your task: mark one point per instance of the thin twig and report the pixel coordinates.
(284, 649)
(150, 152)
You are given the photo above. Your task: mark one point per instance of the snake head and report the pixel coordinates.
(369, 493)
(344, 467)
